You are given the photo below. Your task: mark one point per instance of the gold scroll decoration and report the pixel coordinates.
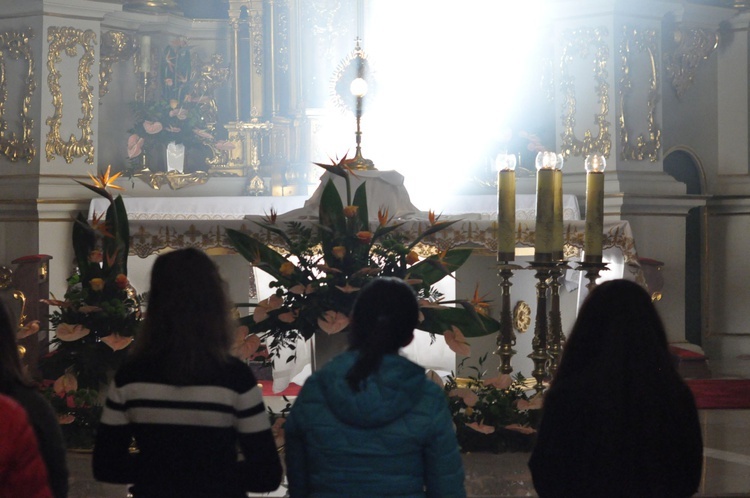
(67, 39)
(117, 46)
(586, 44)
(690, 48)
(16, 44)
(638, 44)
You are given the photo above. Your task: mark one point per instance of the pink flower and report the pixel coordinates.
(152, 127)
(225, 145)
(65, 419)
(245, 344)
(203, 134)
(333, 322)
(456, 341)
(288, 316)
(302, 290)
(468, 396)
(66, 332)
(135, 146)
(535, 403)
(484, 429)
(520, 428)
(116, 341)
(503, 381)
(168, 81)
(64, 384)
(173, 129)
(261, 311)
(27, 330)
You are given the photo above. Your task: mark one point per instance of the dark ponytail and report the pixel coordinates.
(384, 316)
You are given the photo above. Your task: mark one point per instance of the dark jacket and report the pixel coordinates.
(393, 438)
(591, 446)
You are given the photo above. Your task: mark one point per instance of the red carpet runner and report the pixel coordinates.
(267, 385)
(720, 393)
(710, 394)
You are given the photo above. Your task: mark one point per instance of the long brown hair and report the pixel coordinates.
(187, 331)
(11, 369)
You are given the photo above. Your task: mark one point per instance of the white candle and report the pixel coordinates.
(506, 207)
(557, 217)
(145, 54)
(545, 206)
(594, 232)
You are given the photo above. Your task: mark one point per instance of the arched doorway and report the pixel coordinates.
(684, 167)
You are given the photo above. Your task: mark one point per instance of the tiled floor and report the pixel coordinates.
(726, 470)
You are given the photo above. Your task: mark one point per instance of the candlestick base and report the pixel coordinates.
(556, 335)
(592, 270)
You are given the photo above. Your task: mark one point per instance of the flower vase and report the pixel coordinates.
(325, 346)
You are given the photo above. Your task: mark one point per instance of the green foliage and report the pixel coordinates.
(319, 270)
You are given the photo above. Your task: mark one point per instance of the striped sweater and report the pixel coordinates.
(187, 436)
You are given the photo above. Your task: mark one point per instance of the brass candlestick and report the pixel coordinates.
(556, 335)
(539, 354)
(592, 270)
(506, 339)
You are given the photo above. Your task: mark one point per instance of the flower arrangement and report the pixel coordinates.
(184, 114)
(322, 267)
(96, 321)
(493, 414)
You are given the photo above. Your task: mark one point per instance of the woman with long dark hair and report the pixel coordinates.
(16, 384)
(370, 423)
(618, 420)
(183, 399)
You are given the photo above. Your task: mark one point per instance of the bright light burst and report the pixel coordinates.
(448, 79)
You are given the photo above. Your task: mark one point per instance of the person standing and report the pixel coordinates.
(618, 421)
(15, 383)
(184, 401)
(370, 423)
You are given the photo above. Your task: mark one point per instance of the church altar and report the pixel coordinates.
(159, 224)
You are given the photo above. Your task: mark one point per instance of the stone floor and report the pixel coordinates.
(726, 470)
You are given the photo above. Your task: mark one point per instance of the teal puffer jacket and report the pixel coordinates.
(393, 438)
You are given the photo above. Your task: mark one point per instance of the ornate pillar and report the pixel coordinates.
(610, 81)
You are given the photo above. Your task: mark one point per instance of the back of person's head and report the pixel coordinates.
(187, 327)
(383, 318)
(11, 370)
(618, 333)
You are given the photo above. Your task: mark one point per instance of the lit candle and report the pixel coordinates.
(145, 54)
(594, 234)
(506, 206)
(557, 212)
(545, 206)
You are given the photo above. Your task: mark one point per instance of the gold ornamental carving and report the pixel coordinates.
(67, 40)
(692, 46)
(117, 46)
(17, 145)
(585, 44)
(521, 316)
(639, 43)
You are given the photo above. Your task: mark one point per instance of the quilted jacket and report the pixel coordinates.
(22, 470)
(394, 438)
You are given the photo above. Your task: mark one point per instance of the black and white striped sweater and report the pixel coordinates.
(187, 436)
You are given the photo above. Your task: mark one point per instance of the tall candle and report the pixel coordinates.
(545, 206)
(145, 54)
(557, 215)
(594, 233)
(506, 207)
